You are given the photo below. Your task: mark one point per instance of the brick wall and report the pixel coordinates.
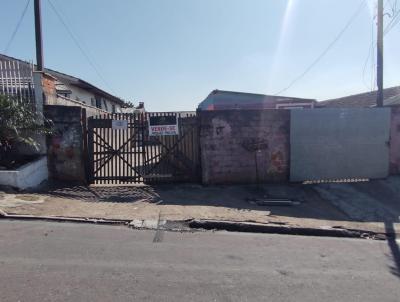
(49, 88)
(66, 145)
(228, 140)
(395, 141)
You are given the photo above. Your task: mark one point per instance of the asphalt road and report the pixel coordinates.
(41, 261)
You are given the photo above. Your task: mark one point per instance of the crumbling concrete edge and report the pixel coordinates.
(195, 225)
(177, 226)
(4, 215)
(285, 229)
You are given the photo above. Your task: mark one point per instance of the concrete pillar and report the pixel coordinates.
(39, 102)
(39, 99)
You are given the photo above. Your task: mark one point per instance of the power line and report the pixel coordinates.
(325, 51)
(395, 18)
(78, 45)
(394, 24)
(370, 50)
(21, 18)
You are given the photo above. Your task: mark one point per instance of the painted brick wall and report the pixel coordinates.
(395, 141)
(228, 140)
(49, 88)
(65, 146)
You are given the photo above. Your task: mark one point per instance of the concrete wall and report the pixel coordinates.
(327, 144)
(66, 158)
(28, 176)
(395, 141)
(80, 95)
(228, 140)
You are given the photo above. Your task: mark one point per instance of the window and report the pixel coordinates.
(105, 104)
(98, 103)
(113, 108)
(92, 102)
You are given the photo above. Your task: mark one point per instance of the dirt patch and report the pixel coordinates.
(26, 197)
(19, 200)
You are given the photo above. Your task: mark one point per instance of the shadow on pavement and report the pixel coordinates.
(239, 197)
(114, 194)
(376, 201)
(394, 249)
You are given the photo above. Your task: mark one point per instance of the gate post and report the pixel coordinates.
(85, 144)
(143, 121)
(90, 156)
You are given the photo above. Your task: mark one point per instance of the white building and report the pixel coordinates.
(67, 87)
(79, 90)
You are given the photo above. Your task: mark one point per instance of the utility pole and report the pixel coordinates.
(379, 76)
(38, 36)
(38, 73)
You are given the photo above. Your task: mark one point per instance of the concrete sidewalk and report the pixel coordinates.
(371, 206)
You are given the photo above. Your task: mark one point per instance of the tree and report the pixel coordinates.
(19, 124)
(128, 104)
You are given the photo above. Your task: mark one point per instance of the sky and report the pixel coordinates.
(171, 54)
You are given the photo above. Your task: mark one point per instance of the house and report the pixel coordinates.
(391, 97)
(228, 100)
(79, 90)
(68, 87)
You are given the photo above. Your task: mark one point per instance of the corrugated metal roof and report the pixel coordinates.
(222, 99)
(367, 99)
(393, 101)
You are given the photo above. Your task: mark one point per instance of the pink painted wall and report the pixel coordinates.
(395, 141)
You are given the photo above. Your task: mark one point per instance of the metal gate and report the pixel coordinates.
(339, 144)
(121, 150)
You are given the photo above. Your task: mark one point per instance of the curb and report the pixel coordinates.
(288, 230)
(4, 215)
(214, 225)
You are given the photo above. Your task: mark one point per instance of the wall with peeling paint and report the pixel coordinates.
(244, 146)
(66, 145)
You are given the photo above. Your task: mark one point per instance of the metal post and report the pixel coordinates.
(379, 77)
(38, 36)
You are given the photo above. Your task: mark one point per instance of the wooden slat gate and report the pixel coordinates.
(121, 151)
